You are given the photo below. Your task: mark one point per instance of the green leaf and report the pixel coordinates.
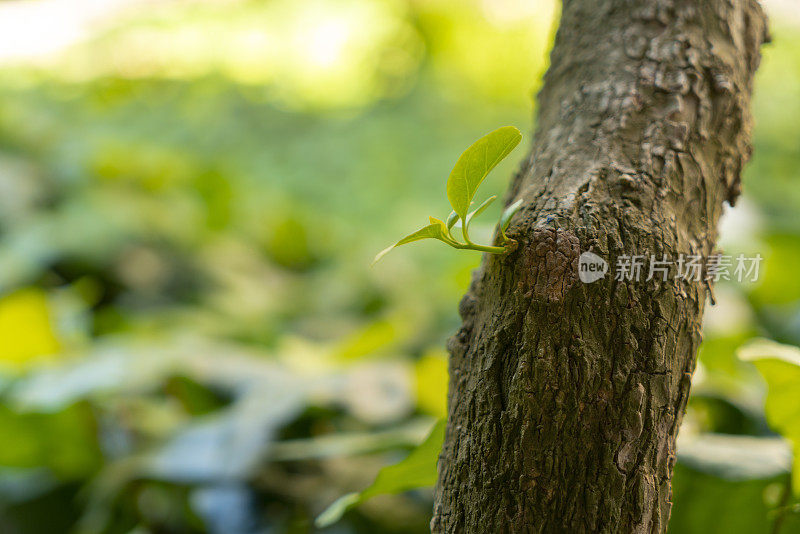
(508, 213)
(440, 223)
(480, 209)
(780, 366)
(452, 219)
(475, 163)
(435, 230)
(417, 470)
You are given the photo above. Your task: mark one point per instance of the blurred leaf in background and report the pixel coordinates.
(417, 470)
(780, 367)
(26, 329)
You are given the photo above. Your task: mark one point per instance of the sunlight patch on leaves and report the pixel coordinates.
(431, 378)
(26, 329)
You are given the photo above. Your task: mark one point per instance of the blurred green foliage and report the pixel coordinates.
(190, 337)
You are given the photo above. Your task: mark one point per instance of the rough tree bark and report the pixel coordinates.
(565, 398)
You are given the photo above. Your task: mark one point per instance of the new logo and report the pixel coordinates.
(591, 267)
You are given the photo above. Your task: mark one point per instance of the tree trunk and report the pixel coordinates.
(565, 398)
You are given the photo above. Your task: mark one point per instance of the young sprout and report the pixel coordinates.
(472, 167)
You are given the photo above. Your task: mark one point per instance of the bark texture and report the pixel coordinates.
(565, 398)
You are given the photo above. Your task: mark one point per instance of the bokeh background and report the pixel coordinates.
(191, 193)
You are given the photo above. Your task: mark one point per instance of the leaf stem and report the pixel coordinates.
(465, 231)
(481, 248)
(487, 248)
